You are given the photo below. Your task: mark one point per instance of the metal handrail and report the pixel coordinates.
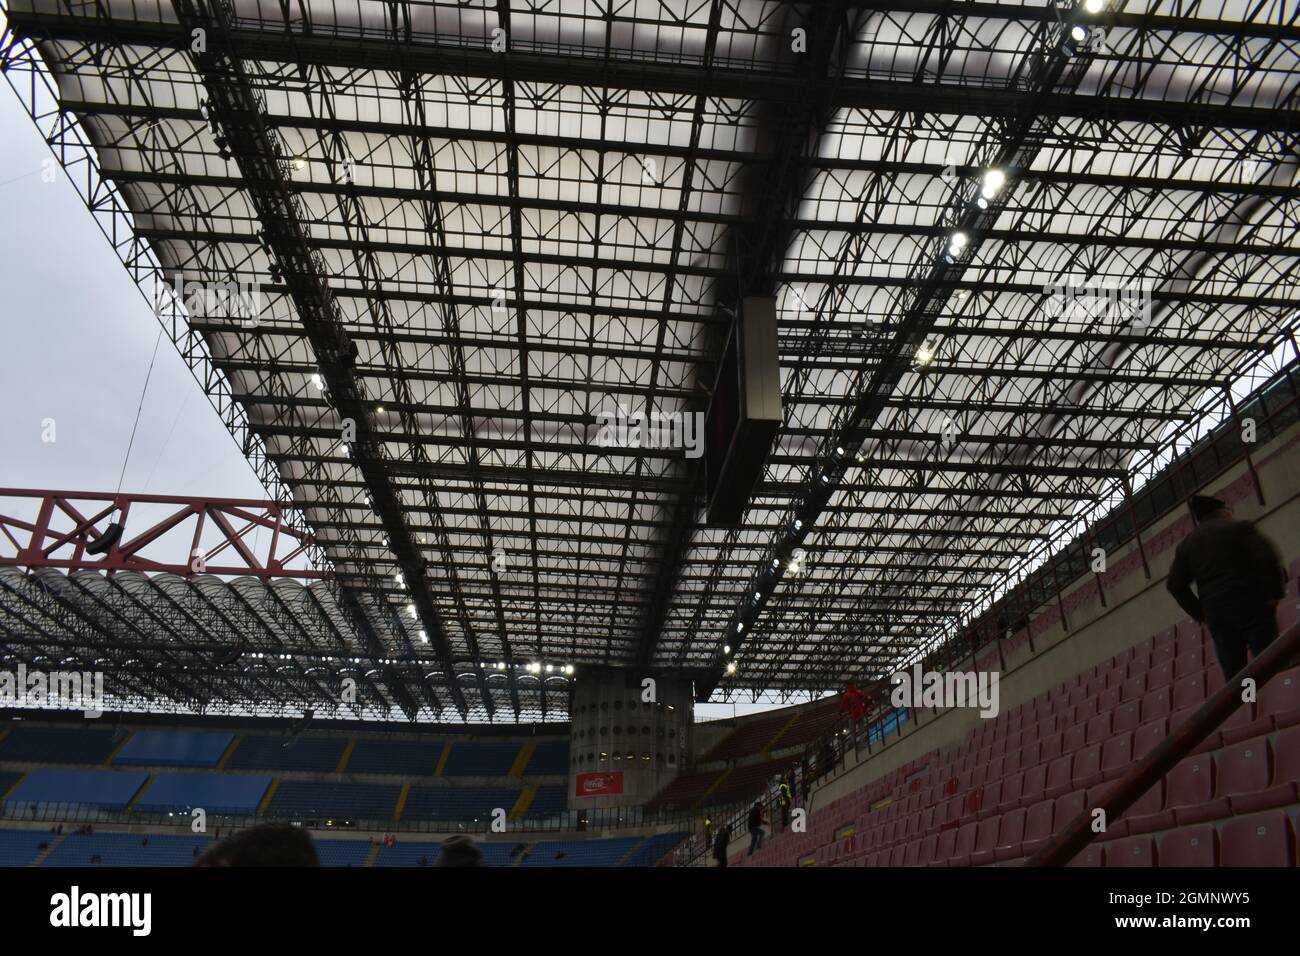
(1144, 774)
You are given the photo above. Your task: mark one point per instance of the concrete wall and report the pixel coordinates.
(1136, 607)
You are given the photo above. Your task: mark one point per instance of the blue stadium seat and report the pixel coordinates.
(214, 792)
(342, 852)
(111, 789)
(20, 847)
(463, 804)
(66, 745)
(580, 852)
(306, 753)
(411, 757)
(550, 757)
(298, 799)
(7, 780)
(480, 759)
(548, 801)
(127, 849)
(173, 748)
(409, 853)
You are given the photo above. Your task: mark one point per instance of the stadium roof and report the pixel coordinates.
(474, 228)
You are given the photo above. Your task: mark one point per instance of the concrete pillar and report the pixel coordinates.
(630, 735)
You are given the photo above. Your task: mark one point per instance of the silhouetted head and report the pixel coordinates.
(269, 844)
(1203, 507)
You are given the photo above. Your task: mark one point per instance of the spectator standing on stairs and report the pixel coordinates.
(1239, 581)
(720, 844)
(755, 827)
(784, 798)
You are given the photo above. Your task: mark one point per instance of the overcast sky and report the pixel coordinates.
(76, 346)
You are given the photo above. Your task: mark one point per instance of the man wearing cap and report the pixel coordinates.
(1239, 580)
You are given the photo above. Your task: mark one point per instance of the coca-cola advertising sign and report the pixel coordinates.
(599, 784)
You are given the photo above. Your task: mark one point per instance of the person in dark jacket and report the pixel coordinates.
(755, 827)
(1239, 581)
(720, 844)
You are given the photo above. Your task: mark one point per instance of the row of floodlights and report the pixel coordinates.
(532, 667)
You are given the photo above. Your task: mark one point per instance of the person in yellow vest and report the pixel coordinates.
(784, 799)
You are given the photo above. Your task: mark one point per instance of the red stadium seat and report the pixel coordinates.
(1241, 726)
(1246, 778)
(944, 849)
(1098, 728)
(1073, 739)
(1059, 780)
(1049, 748)
(986, 840)
(1260, 839)
(1033, 785)
(1160, 675)
(1191, 661)
(1149, 736)
(1144, 815)
(1156, 704)
(965, 844)
(1188, 846)
(1116, 756)
(1086, 771)
(1011, 833)
(1190, 791)
(1011, 762)
(1038, 825)
(991, 799)
(1126, 717)
(1090, 855)
(1067, 808)
(929, 847)
(1009, 799)
(1135, 851)
(1280, 699)
(1189, 691)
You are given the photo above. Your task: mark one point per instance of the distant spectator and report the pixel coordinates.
(1239, 581)
(784, 799)
(755, 827)
(853, 703)
(826, 759)
(460, 851)
(720, 844)
(269, 844)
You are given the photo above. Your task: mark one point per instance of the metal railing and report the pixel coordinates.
(612, 818)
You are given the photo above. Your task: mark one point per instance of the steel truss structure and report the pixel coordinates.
(471, 230)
